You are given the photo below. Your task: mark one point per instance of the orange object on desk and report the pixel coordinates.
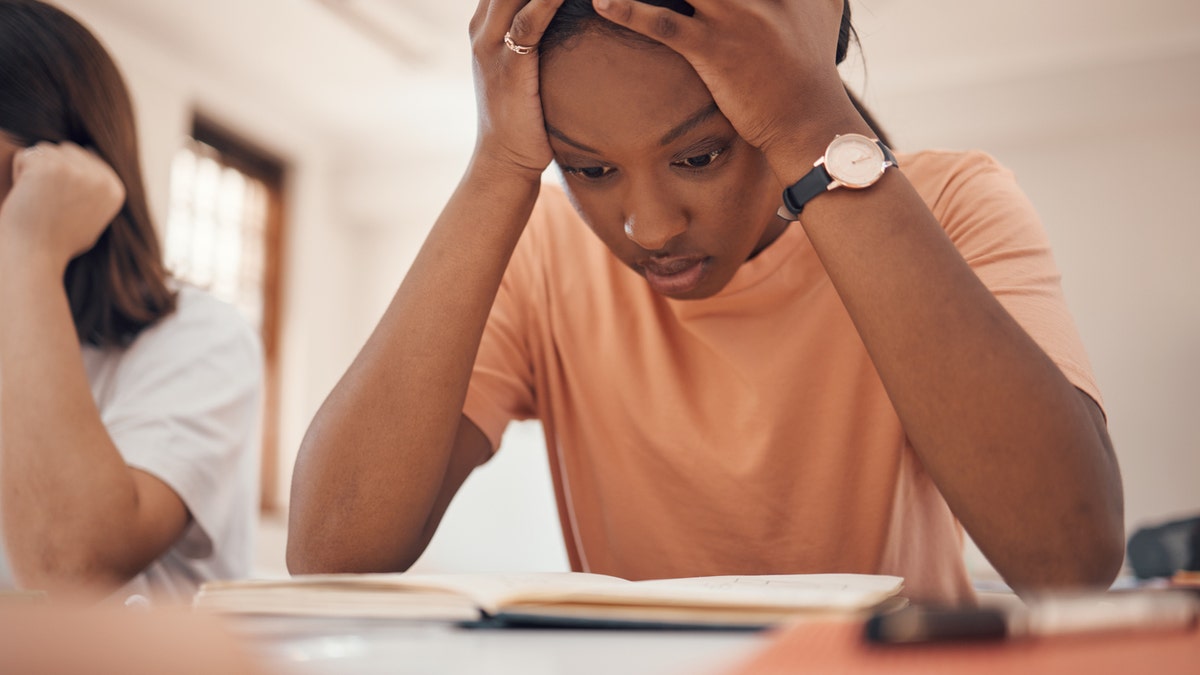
(839, 649)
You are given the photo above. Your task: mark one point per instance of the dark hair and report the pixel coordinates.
(577, 17)
(58, 84)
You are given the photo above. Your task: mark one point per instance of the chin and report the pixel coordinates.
(705, 290)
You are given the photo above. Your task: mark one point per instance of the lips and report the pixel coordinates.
(674, 275)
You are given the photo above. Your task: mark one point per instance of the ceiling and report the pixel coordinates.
(395, 73)
(414, 32)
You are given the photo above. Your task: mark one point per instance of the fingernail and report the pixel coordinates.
(602, 4)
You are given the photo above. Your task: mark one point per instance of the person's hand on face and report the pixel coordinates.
(769, 64)
(62, 199)
(511, 129)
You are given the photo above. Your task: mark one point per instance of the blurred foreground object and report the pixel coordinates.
(37, 639)
(840, 648)
(1162, 550)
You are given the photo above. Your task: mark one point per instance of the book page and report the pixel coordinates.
(488, 590)
(390, 592)
(343, 600)
(493, 591)
(445, 594)
(793, 592)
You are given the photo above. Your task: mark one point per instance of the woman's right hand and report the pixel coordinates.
(62, 199)
(512, 133)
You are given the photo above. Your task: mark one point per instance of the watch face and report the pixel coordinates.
(854, 160)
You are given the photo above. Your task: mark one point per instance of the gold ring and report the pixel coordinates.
(519, 49)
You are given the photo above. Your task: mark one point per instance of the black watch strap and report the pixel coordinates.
(812, 184)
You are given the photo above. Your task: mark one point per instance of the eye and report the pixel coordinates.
(589, 172)
(699, 161)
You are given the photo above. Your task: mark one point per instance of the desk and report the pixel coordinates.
(297, 646)
(312, 646)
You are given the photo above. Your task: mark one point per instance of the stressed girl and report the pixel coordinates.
(759, 339)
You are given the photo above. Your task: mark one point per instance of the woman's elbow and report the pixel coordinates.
(1085, 559)
(75, 573)
(303, 559)
(1103, 544)
(304, 555)
(321, 548)
(311, 555)
(1102, 562)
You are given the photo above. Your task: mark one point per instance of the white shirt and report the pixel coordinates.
(183, 403)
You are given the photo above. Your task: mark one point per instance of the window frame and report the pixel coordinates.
(250, 159)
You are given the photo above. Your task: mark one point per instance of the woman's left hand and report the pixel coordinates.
(62, 199)
(769, 64)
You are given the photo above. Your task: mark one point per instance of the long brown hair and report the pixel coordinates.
(58, 84)
(576, 17)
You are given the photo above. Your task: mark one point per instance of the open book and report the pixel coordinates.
(559, 598)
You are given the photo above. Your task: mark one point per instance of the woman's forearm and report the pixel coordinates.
(72, 513)
(1022, 457)
(1010, 442)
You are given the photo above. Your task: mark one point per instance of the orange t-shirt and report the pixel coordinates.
(746, 433)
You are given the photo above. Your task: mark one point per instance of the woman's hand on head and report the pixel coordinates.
(512, 133)
(62, 199)
(769, 64)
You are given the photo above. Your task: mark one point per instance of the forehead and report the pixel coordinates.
(609, 93)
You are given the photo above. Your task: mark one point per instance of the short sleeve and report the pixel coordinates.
(999, 233)
(183, 404)
(502, 382)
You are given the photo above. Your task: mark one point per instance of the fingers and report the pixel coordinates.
(525, 20)
(679, 32)
(71, 164)
(516, 25)
(29, 156)
(489, 16)
(45, 154)
(530, 23)
(504, 43)
(62, 199)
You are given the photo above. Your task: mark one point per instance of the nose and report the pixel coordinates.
(653, 216)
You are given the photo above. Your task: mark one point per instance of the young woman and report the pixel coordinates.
(129, 405)
(724, 390)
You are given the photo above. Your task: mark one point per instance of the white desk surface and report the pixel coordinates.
(297, 646)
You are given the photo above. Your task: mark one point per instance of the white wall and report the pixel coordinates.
(1106, 147)
(1124, 216)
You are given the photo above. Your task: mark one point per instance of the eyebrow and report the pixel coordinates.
(697, 118)
(570, 141)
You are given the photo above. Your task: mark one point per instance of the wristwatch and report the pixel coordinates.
(851, 160)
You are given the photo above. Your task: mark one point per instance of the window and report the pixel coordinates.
(225, 234)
